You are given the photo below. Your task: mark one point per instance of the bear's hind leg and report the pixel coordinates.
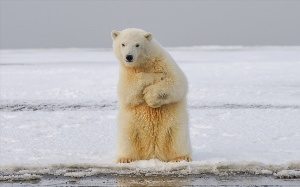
(125, 148)
(173, 143)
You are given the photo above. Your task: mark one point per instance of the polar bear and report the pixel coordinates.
(152, 89)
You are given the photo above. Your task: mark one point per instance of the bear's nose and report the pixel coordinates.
(129, 58)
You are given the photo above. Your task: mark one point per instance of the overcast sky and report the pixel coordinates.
(88, 23)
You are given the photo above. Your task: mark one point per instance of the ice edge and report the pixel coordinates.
(151, 168)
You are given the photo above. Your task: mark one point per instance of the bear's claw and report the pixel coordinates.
(181, 158)
(125, 160)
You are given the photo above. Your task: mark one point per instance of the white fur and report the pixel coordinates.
(153, 120)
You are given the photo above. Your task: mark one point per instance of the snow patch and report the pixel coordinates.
(243, 105)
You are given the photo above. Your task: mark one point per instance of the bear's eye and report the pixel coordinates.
(123, 45)
(137, 45)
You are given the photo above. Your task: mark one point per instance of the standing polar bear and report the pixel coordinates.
(153, 119)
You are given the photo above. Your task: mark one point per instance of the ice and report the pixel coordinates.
(59, 106)
(24, 177)
(288, 174)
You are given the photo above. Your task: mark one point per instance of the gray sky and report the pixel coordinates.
(88, 23)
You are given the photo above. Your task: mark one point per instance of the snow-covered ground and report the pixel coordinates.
(58, 110)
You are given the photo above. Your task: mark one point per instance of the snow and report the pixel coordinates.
(59, 106)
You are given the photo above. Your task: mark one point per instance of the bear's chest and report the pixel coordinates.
(147, 115)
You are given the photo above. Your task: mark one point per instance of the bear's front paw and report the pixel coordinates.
(153, 98)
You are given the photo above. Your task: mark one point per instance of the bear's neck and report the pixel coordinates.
(148, 66)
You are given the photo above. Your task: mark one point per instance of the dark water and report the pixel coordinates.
(176, 180)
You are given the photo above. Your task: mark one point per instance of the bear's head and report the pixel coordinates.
(131, 46)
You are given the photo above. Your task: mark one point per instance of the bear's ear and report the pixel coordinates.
(114, 34)
(148, 36)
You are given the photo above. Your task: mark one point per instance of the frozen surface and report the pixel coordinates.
(58, 111)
